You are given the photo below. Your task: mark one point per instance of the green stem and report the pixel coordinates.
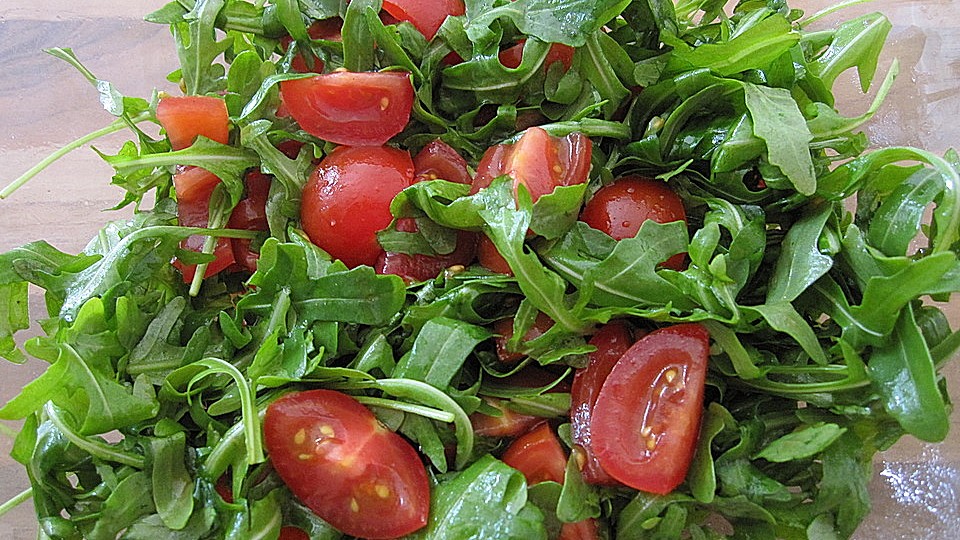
(16, 501)
(115, 126)
(94, 448)
(426, 412)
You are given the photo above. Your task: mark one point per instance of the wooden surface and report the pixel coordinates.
(44, 104)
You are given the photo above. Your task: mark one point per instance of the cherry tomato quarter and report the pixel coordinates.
(611, 341)
(621, 208)
(646, 419)
(508, 424)
(184, 118)
(439, 160)
(539, 161)
(347, 200)
(426, 15)
(250, 214)
(193, 187)
(335, 457)
(353, 109)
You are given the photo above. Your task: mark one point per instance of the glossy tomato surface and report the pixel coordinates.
(647, 417)
(186, 117)
(439, 160)
(504, 330)
(347, 200)
(425, 15)
(538, 161)
(611, 341)
(621, 208)
(538, 455)
(250, 214)
(353, 109)
(335, 457)
(508, 424)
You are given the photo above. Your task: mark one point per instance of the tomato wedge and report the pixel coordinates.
(647, 416)
(426, 15)
(611, 341)
(184, 118)
(539, 161)
(511, 57)
(353, 109)
(347, 200)
(335, 457)
(504, 330)
(194, 186)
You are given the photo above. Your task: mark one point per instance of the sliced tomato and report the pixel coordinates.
(490, 258)
(647, 416)
(539, 161)
(194, 186)
(184, 118)
(419, 267)
(439, 160)
(328, 29)
(511, 57)
(588, 529)
(250, 214)
(293, 533)
(621, 208)
(538, 455)
(504, 330)
(611, 341)
(426, 15)
(508, 424)
(353, 109)
(345, 466)
(347, 200)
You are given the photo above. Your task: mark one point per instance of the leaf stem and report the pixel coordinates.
(95, 448)
(426, 412)
(115, 126)
(16, 501)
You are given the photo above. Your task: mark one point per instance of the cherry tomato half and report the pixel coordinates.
(539, 161)
(335, 457)
(186, 117)
(347, 200)
(426, 15)
(511, 57)
(508, 424)
(353, 109)
(439, 160)
(504, 330)
(621, 208)
(647, 416)
(250, 214)
(611, 341)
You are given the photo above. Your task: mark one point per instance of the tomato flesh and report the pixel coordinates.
(647, 416)
(504, 330)
(426, 15)
(184, 118)
(512, 57)
(508, 424)
(347, 200)
(353, 109)
(194, 186)
(335, 457)
(611, 341)
(621, 208)
(439, 160)
(250, 214)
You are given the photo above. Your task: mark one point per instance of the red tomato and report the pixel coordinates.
(186, 117)
(419, 267)
(508, 424)
(347, 200)
(621, 208)
(250, 214)
(328, 29)
(611, 341)
(335, 457)
(647, 416)
(504, 330)
(353, 109)
(490, 258)
(538, 455)
(426, 15)
(439, 160)
(587, 529)
(539, 161)
(194, 186)
(293, 533)
(511, 57)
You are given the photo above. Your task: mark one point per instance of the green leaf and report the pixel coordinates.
(801, 263)
(126, 504)
(171, 482)
(856, 43)
(553, 22)
(751, 49)
(802, 444)
(439, 351)
(778, 121)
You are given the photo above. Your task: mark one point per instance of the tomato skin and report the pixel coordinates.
(250, 214)
(186, 117)
(352, 109)
(511, 57)
(490, 258)
(504, 330)
(335, 457)
(194, 186)
(328, 29)
(293, 533)
(539, 161)
(611, 341)
(587, 529)
(647, 416)
(508, 424)
(621, 208)
(347, 200)
(538, 455)
(426, 15)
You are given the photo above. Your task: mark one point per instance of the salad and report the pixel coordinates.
(489, 269)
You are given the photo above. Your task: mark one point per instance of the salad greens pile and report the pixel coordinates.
(823, 352)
